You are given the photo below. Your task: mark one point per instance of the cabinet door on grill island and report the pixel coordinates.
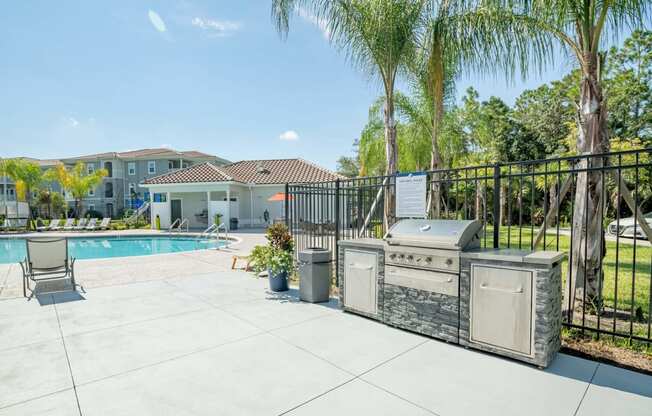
(501, 308)
(360, 270)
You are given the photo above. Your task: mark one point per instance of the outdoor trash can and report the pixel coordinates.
(314, 274)
(233, 224)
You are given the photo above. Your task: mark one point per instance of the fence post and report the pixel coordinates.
(496, 205)
(287, 206)
(337, 232)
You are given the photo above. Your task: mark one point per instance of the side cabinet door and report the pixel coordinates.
(360, 280)
(501, 308)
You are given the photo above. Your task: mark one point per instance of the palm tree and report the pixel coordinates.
(27, 177)
(376, 36)
(77, 181)
(580, 26)
(471, 36)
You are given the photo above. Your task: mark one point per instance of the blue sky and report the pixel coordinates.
(79, 77)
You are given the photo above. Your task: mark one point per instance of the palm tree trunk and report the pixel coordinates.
(391, 152)
(588, 248)
(436, 86)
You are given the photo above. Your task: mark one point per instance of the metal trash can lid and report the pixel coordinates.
(315, 255)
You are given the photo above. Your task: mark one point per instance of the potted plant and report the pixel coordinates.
(275, 257)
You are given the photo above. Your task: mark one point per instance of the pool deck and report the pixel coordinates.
(112, 271)
(182, 334)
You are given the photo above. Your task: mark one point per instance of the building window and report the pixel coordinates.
(109, 168)
(91, 192)
(160, 197)
(151, 167)
(131, 168)
(108, 190)
(146, 196)
(91, 207)
(90, 168)
(132, 189)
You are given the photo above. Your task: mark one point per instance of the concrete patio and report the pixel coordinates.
(220, 343)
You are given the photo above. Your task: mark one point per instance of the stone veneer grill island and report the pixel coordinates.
(429, 275)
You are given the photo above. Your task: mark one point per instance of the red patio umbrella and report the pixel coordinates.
(279, 196)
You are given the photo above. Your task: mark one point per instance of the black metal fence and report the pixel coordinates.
(582, 205)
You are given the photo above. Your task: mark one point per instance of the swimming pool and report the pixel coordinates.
(12, 250)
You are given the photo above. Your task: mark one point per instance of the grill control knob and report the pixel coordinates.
(401, 256)
(428, 259)
(410, 258)
(449, 262)
(392, 256)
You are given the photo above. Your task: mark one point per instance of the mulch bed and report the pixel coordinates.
(607, 353)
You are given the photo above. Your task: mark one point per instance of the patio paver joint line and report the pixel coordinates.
(65, 350)
(579, 405)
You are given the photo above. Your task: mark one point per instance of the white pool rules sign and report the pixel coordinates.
(411, 195)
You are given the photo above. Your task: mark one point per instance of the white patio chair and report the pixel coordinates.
(105, 224)
(55, 225)
(92, 224)
(50, 227)
(6, 225)
(21, 224)
(47, 259)
(69, 225)
(81, 224)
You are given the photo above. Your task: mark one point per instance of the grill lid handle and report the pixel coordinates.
(424, 228)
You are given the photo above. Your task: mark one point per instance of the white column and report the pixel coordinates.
(227, 221)
(208, 209)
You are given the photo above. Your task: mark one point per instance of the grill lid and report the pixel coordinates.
(446, 234)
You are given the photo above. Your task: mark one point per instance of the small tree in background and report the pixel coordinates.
(77, 181)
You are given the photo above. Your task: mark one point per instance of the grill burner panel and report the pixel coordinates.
(423, 258)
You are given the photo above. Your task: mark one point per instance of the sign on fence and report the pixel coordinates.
(411, 195)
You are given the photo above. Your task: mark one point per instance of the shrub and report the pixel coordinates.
(270, 258)
(91, 213)
(279, 237)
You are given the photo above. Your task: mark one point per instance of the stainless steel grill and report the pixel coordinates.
(431, 244)
(422, 271)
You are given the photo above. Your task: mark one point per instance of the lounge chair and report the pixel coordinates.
(69, 225)
(54, 224)
(81, 224)
(47, 259)
(6, 225)
(92, 223)
(105, 224)
(21, 224)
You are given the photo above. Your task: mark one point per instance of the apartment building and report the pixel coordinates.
(120, 189)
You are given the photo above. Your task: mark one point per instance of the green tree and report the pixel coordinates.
(376, 36)
(629, 88)
(579, 25)
(464, 36)
(27, 176)
(77, 181)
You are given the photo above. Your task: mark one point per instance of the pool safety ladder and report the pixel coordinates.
(214, 231)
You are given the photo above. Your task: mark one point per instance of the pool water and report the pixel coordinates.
(12, 250)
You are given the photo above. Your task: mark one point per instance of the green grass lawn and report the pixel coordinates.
(617, 287)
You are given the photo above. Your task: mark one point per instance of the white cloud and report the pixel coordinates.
(217, 28)
(289, 136)
(73, 122)
(322, 24)
(156, 21)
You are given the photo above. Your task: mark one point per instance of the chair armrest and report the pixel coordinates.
(24, 266)
(71, 262)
